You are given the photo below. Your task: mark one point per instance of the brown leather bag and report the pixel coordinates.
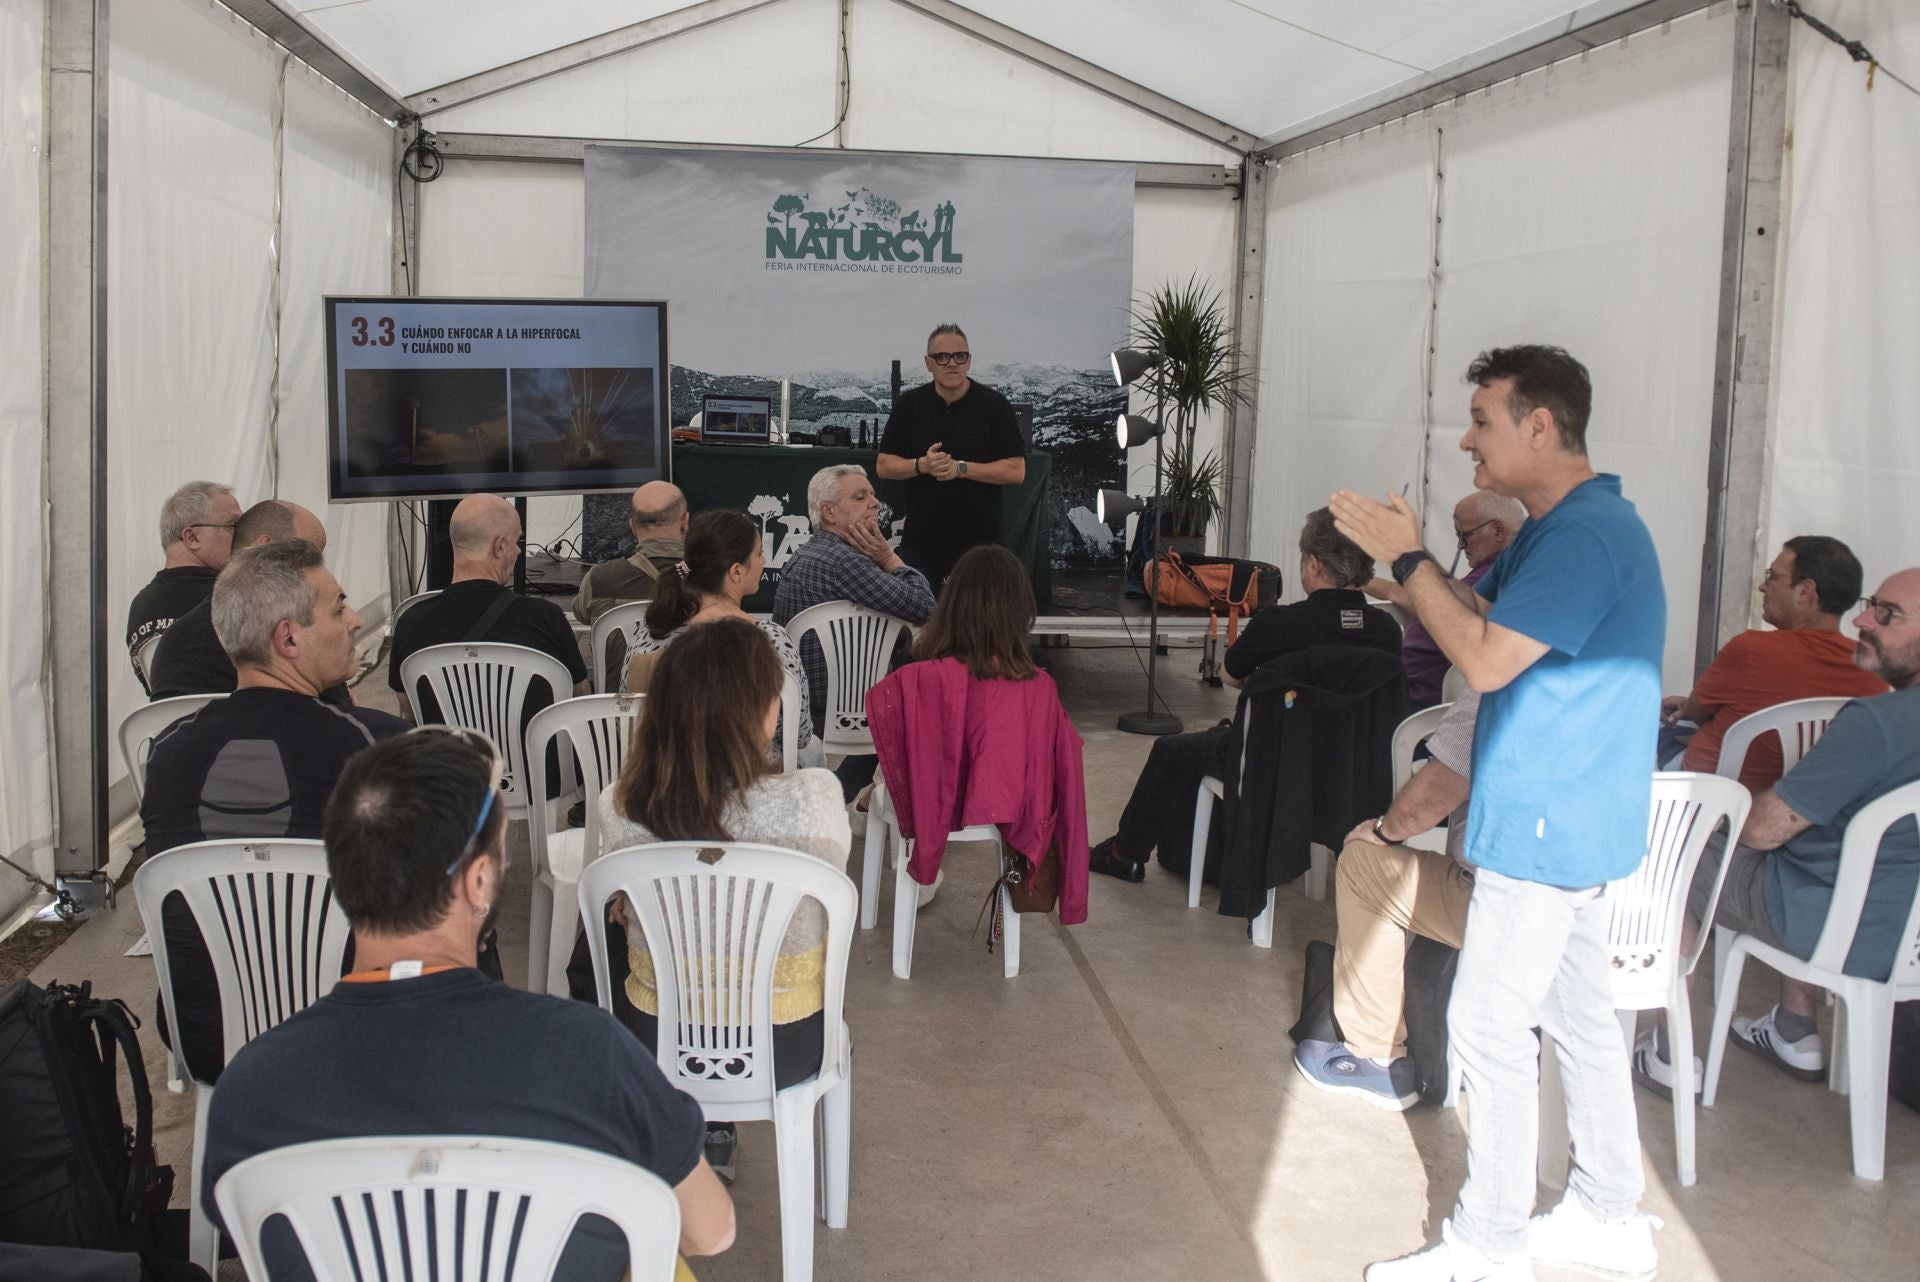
(1038, 892)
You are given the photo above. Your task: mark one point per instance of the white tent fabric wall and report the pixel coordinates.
(1846, 445)
(26, 781)
(1580, 205)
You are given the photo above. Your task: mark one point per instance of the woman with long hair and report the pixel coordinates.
(984, 617)
(722, 567)
(698, 770)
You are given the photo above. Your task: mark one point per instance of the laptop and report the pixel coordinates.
(736, 420)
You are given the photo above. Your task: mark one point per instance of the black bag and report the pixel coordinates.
(72, 1172)
(1429, 986)
(1903, 1066)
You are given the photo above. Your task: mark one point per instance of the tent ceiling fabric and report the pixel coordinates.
(1262, 64)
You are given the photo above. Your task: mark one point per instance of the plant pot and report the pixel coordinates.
(1187, 545)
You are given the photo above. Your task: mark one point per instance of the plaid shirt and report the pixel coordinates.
(827, 568)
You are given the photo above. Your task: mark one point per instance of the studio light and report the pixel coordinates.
(1115, 505)
(1129, 364)
(1136, 429)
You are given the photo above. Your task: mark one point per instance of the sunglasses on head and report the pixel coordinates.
(496, 782)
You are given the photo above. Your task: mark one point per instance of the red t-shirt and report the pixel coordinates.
(1758, 669)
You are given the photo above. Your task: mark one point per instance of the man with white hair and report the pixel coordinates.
(189, 658)
(1483, 524)
(261, 762)
(196, 535)
(847, 559)
(477, 605)
(657, 519)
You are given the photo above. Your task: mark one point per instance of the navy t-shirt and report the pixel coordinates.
(1563, 753)
(453, 1053)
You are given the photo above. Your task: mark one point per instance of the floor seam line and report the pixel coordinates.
(1162, 1098)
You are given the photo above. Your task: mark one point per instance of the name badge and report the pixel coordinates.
(1352, 619)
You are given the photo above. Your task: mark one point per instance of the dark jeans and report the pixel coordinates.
(935, 565)
(1159, 814)
(855, 773)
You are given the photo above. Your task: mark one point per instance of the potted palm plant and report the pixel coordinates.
(1187, 324)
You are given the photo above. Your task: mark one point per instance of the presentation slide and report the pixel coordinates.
(443, 397)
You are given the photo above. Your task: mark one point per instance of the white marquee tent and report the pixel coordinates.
(1705, 202)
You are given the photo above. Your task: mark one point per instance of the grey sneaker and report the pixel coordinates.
(1805, 1059)
(1332, 1067)
(720, 1144)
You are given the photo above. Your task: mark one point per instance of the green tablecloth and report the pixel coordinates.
(769, 483)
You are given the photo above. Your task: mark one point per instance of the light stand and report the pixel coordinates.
(1132, 430)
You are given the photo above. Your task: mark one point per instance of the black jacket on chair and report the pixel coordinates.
(1313, 739)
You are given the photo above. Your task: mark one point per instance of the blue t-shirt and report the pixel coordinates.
(1870, 748)
(1562, 755)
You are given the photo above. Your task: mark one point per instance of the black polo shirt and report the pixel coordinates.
(945, 518)
(1331, 616)
(189, 659)
(167, 596)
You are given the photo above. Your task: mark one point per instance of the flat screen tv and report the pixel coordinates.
(444, 397)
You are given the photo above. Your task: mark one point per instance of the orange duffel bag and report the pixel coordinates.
(1218, 584)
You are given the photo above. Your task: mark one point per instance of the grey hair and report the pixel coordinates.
(948, 328)
(1340, 557)
(821, 489)
(191, 504)
(260, 587)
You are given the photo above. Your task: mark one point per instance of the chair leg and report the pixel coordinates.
(1263, 925)
(1840, 1056)
(1729, 959)
(1869, 1044)
(1554, 1141)
(837, 1150)
(539, 932)
(564, 929)
(1680, 1048)
(793, 1140)
(1197, 859)
(906, 912)
(1009, 934)
(1319, 870)
(876, 851)
(203, 1240)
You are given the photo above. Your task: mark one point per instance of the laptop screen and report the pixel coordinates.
(736, 420)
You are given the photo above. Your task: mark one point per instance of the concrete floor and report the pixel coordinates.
(1127, 1107)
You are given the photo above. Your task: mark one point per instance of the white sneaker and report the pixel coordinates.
(857, 812)
(928, 892)
(1805, 1059)
(1569, 1237)
(1450, 1260)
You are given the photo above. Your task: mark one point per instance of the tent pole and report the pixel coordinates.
(1242, 411)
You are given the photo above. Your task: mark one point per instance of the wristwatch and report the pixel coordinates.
(1406, 564)
(1379, 835)
(960, 468)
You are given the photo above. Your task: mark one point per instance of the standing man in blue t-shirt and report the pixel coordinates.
(1564, 640)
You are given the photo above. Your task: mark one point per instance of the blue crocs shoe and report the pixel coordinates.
(1332, 1067)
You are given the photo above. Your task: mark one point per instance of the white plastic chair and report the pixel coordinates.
(139, 656)
(277, 939)
(483, 686)
(1650, 969)
(445, 1206)
(627, 619)
(1799, 723)
(1452, 685)
(1864, 1037)
(714, 915)
(883, 835)
(1407, 738)
(144, 724)
(857, 644)
(598, 729)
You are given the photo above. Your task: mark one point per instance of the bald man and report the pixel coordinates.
(657, 518)
(188, 658)
(478, 606)
(1483, 524)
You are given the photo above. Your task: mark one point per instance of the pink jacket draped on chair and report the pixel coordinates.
(956, 751)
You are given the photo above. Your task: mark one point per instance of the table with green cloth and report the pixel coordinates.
(769, 483)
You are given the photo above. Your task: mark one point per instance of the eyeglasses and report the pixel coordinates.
(1461, 536)
(1772, 576)
(1884, 612)
(211, 525)
(949, 358)
(496, 781)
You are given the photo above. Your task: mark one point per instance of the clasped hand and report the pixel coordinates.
(939, 464)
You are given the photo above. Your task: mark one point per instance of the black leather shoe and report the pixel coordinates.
(1107, 860)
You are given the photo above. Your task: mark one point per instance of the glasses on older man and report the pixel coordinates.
(949, 358)
(1884, 612)
(496, 783)
(212, 525)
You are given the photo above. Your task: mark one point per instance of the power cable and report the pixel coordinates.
(1856, 50)
(846, 83)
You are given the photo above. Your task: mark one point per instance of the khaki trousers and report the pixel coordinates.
(1385, 895)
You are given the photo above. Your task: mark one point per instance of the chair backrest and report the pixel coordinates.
(857, 644)
(714, 915)
(1650, 903)
(1798, 722)
(599, 729)
(626, 619)
(1408, 737)
(455, 1207)
(144, 724)
(1859, 852)
(483, 686)
(408, 604)
(1453, 685)
(140, 654)
(790, 706)
(266, 912)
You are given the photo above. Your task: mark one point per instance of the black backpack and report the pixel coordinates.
(1429, 986)
(72, 1172)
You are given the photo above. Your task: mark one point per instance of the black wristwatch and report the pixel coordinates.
(1405, 565)
(1379, 835)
